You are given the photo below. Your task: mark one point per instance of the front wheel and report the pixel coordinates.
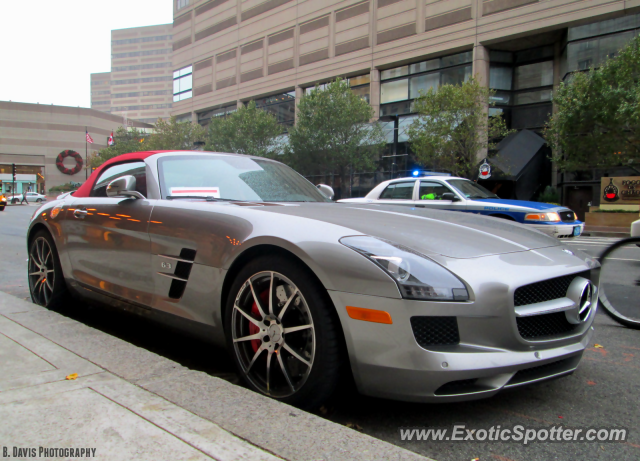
(46, 281)
(620, 282)
(2, 208)
(283, 333)
(39, 200)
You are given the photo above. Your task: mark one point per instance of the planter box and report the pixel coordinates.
(610, 219)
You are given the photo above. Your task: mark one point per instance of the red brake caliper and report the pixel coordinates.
(264, 297)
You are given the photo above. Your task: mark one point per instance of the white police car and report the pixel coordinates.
(459, 194)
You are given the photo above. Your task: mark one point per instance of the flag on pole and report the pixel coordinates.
(89, 138)
(110, 141)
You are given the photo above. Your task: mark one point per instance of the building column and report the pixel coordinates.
(557, 79)
(481, 73)
(239, 104)
(374, 92)
(299, 94)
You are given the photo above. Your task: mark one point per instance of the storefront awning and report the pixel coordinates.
(515, 152)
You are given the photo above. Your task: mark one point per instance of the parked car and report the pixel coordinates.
(459, 194)
(417, 304)
(3, 202)
(31, 197)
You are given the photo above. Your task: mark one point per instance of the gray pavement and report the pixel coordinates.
(183, 370)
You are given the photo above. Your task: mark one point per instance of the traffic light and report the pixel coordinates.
(13, 171)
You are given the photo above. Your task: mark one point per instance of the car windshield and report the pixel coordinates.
(234, 178)
(470, 189)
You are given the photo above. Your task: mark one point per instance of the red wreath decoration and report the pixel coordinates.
(69, 153)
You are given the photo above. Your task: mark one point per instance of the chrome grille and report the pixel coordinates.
(546, 290)
(435, 331)
(545, 326)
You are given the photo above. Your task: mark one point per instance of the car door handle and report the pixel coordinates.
(80, 214)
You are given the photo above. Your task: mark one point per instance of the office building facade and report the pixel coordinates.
(229, 52)
(139, 85)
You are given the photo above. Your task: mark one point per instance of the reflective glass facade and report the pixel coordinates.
(182, 83)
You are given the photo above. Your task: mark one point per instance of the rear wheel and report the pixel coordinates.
(39, 200)
(283, 333)
(2, 208)
(46, 282)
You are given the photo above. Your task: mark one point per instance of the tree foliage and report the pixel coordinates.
(249, 131)
(171, 134)
(452, 127)
(126, 140)
(597, 122)
(167, 135)
(333, 133)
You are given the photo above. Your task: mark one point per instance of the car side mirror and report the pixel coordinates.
(327, 191)
(450, 196)
(124, 186)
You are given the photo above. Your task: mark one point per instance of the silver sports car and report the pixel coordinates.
(417, 304)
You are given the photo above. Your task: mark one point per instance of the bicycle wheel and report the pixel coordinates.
(620, 282)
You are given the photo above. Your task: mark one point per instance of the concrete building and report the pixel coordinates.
(32, 136)
(228, 52)
(139, 84)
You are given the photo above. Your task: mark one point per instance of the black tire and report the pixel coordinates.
(38, 200)
(292, 380)
(14, 201)
(2, 208)
(44, 263)
(609, 309)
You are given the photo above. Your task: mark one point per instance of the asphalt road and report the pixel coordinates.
(603, 392)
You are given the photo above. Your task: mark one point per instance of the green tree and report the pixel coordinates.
(452, 127)
(167, 135)
(126, 140)
(333, 133)
(249, 131)
(597, 122)
(173, 135)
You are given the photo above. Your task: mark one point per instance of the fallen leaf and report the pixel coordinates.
(591, 383)
(354, 426)
(72, 376)
(475, 459)
(598, 346)
(561, 417)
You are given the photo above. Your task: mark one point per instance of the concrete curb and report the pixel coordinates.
(278, 428)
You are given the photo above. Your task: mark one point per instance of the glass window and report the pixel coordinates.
(455, 59)
(182, 83)
(500, 78)
(181, 4)
(501, 56)
(592, 53)
(424, 82)
(397, 108)
(397, 90)
(135, 169)
(535, 54)
(362, 91)
(393, 73)
(456, 75)
(359, 80)
(604, 27)
(283, 106)
(424, 66)
(431, 190)
(399, 191)
(531, 97)
(403, 125)
(235, 178)
(534, 75)
(530, 116)
(501, 98)
(470, 189)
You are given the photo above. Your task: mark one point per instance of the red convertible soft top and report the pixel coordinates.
(85, 189)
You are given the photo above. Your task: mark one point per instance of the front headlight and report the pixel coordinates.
(417, 276)
(542, 217)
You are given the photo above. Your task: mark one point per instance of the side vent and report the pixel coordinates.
(180, 275)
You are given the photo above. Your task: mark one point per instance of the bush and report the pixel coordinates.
(549, 195)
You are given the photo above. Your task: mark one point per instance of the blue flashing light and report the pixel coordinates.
(416, 173)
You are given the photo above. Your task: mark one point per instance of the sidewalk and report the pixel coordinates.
(129, 403)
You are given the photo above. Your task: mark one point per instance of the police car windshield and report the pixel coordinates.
(470, 189)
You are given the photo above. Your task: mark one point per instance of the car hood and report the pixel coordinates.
(447, 233)
(515, 204)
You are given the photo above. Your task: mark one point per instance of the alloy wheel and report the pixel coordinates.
(41, 271)
(273, 334)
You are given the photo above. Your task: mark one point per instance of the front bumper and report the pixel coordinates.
(559, 230)
(388, 362)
